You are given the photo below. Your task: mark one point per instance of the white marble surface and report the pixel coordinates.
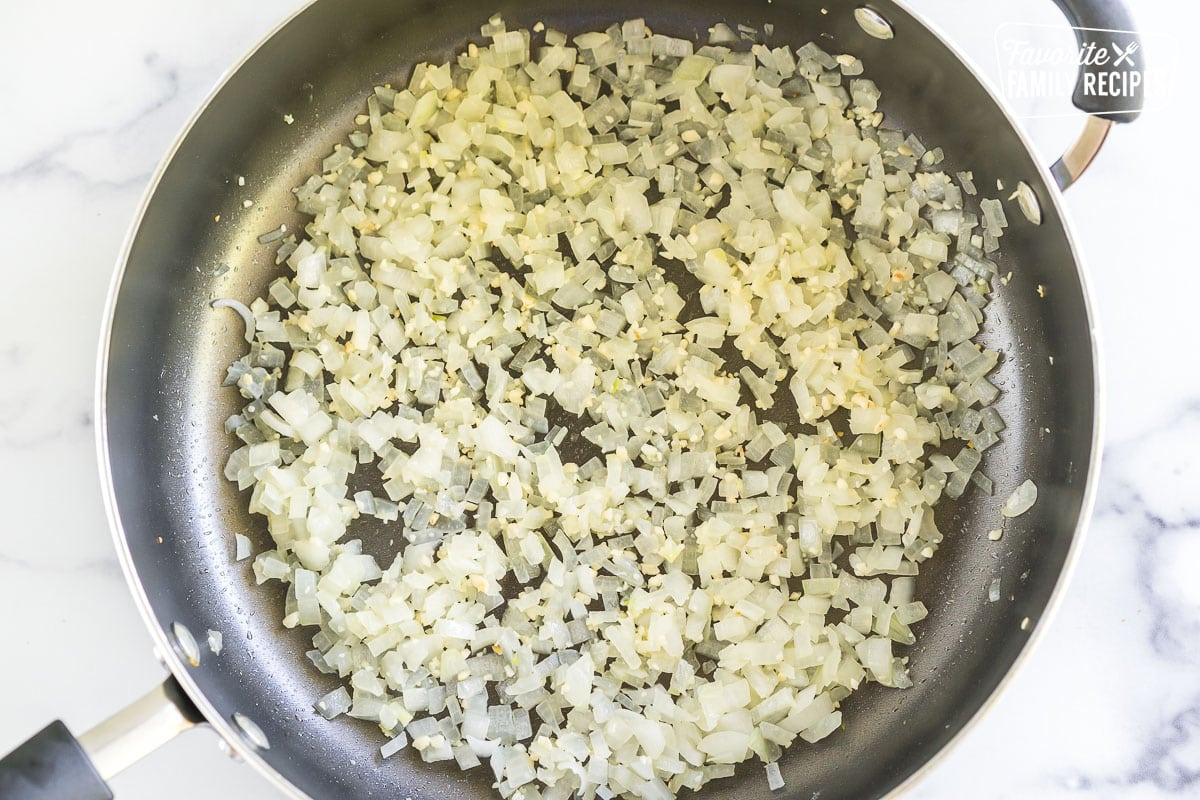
(1107, 707)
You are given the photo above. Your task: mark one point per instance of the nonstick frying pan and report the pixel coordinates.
(161, 406)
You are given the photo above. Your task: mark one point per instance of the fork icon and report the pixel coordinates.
(1125, 55)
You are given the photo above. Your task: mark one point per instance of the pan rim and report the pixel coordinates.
(1088, 501)
(163, 647)
(226, 730)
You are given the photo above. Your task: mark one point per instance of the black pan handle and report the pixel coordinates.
(51, 765)
(1114, 88)
(54, 765)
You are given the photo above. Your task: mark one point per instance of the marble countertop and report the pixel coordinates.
(1108, 705)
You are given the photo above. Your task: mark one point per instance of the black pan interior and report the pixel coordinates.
(169, 349)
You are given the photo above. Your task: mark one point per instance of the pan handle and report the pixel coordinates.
(53, 764)
(1110, 87)
(1112, 64)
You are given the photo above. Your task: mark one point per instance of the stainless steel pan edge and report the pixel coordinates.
(226, 728)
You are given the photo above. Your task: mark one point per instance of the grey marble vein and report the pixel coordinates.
(54, 159)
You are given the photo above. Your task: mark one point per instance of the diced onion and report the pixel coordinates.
(608, 567)
(1021, 500)
(242, 311)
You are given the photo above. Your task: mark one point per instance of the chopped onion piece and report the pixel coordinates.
(774, 779)
(1031, 207)
(241, 547)
(242, 311)
(1021, 500)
